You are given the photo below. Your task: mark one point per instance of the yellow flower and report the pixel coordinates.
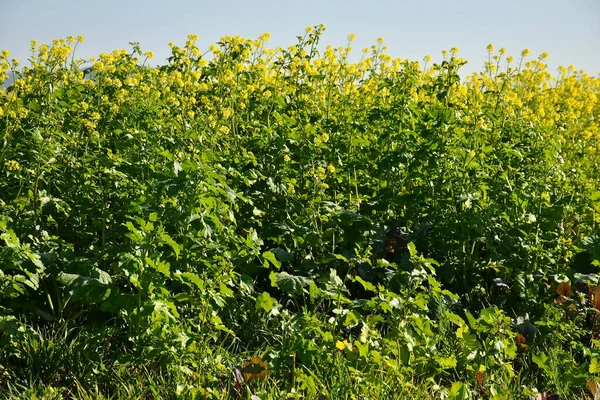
(331, 168)
(510, 59)
(427, 58)
(308, 29)
(286, 158)
(193, 37)
(454, 50)
(12, 165)
(502, 51)
(351, 37)
(525, 53)
(149, 54)
(320, 172)
(380, 40)
(224, 129)
(490, 48)
(80, 39)
(4, 55)
(343, 345)
(544, 56)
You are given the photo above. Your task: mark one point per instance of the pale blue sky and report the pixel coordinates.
(569, 30)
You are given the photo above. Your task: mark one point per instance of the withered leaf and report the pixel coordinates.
(254, 369)
(564, 289)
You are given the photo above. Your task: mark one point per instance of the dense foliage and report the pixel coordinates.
(376, 228)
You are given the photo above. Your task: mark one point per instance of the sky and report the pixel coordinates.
(569, 30)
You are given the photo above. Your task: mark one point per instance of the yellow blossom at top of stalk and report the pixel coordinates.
(525, 53)
(490, 48)
(427, 58)
(351, 37)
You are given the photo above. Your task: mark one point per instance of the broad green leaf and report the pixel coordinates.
(195, 279)
(270, 257)
(334, 279)
(447, 362)
(458, 391)
(412, 249)
(352, 319)
(594, 366)
(87, 289)
(168, 240)
(455, 319)
(264, 301)
(291, 284)
(10, 239)
(365, 284)
(541, 360)
(282, 255)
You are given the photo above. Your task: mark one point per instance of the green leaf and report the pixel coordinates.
(540, 359)
(265, 301)
(282, 255)
(458, 391)
(352, 319)
(367, 285)
(195, 279)
(10, 239)
(334, 279)
(269, 256)
(447, 362)
(87, 289)
(291, 284)
(455, 319)
(594, 366)
(412, 249)
(173, 244)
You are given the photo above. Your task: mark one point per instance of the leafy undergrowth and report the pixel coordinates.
(287, 223)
